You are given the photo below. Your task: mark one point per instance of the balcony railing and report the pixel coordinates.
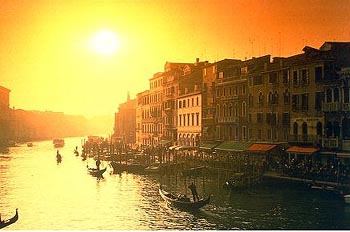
(304, 138)
(330, 106)
(331, 143)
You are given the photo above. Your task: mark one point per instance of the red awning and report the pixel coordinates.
(302, 150)
(261, 147)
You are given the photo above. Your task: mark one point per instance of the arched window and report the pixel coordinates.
(244, 109)
(295, 128)
(236, 109)
(270, 99)
(275, 97)
(304, 131)
(261, 98)
(230, 109)
(217, 110)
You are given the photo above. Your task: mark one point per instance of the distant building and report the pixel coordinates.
(4, 115)
(125, 122)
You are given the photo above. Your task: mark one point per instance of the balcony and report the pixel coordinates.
(346, 107)
(331, 143)
(303, 138)
(330, 106)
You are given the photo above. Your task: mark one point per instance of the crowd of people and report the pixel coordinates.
(332, 171)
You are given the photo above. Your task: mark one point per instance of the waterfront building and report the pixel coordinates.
(125, 122)
(142, 115)
(153, 120)
(4, 115)
(172, 72)
(210, 72)
(189, 103)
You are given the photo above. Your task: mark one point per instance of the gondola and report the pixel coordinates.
(10, 221)
(182, 203)
(96, 172)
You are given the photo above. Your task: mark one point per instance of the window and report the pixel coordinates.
(257, 80)
(244, 109)
(197, 101)
(250, 100)
(295, 102)
(259, 117)
(318, 101)
(180, 104)
(184, 103)
(318, 74)
(295, 78)
(197, 117)
(305, 101)
(273, 78)
(285, 76)
(336, 95)
(285, 119)
(286, 97)
(244, 89)
(188, 119)
(261, 98)
(192, 119)
(304, 77)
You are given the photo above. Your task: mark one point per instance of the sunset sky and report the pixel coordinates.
(49, 62)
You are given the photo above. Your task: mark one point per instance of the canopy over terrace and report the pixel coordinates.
(208, 146)
(306, 151)
(261, 147)
(233, 146)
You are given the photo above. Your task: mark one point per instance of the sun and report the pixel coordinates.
(105, 42)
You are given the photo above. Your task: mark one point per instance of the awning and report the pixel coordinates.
(302, 150)
(163, 142)
(261, 147)
(208, 146)
(233, 146)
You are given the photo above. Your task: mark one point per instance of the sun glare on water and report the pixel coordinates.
(105, 43)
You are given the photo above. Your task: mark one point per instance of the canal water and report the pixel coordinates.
(63, 196)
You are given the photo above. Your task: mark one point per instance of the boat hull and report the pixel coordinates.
(9, 221)
(96, 172)
(172, 200)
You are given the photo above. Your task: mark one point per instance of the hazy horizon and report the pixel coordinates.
(82, 57)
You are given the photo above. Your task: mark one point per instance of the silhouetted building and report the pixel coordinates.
(4, 115)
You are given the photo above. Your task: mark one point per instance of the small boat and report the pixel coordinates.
(154, 168)
(58, 142)
(96, 172)
(182, 202)
(10, 221)
(29, 144)
(326, 188)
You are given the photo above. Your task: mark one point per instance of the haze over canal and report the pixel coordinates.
(65, 197)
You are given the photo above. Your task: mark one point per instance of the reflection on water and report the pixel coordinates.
(64, 197)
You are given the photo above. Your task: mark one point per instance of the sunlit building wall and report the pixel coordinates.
(125, 122)
(4, 115)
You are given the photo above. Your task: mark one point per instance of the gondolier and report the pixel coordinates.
(193, 188)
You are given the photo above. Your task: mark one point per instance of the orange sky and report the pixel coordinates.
(47, 65)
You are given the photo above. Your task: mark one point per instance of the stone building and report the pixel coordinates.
(125, 122)
(4, 115)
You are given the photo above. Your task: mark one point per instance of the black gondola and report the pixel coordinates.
(96, 172)
(10, 221)
(182, 203)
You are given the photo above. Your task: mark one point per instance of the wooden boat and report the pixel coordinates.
(58, 142)
(182, 203)
(96, 172)
(10, 221)
(154, 168)
(326, 188)
(29, 144)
